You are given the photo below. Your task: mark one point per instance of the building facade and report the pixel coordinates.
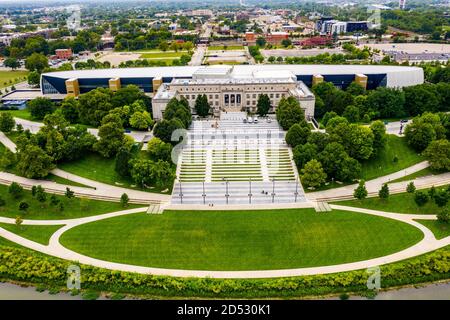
(228, 88)
(227, 91)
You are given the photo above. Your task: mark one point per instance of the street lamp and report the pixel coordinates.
(226, 186)
(250, 191)
(296, 189)
(273, 190)
(204, 194)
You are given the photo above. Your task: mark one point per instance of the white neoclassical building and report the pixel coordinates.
(228, 90)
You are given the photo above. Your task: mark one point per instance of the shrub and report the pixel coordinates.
(124, 200)
(384, 192)
(361, 191)
(15, 190)
(444, 216)
(23, 206)
(411, 188)
(441, 198)
(421, 198)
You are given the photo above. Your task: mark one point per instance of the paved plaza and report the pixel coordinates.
(228, 161)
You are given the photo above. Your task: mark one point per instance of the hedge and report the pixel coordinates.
(26, 266)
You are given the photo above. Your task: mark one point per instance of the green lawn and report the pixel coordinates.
(40, 234)
(23, 114)
(162, 54)
(211, 48)
(241, 240)
(73, 208)
(439, 229)
(400, 203)
(418, 174)
(95, 167)
(384, 164)
(14, 76)
(52, 177)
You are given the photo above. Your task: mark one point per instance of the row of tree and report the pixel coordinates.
(357, 104)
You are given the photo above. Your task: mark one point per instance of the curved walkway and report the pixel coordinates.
(427, 244)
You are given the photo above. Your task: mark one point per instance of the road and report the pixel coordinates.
(198, 55)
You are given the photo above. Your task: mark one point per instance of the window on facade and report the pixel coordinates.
(217, 96)
(277, 95)
(227, 99)
(238, 98)
(254, 96)
(232, 98)
(271, 95)
(193, 96)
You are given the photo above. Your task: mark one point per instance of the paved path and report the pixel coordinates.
(373, 186)
(427, 244)
(34, 127)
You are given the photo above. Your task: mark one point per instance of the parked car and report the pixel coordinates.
(269, 120)
(256, 120)
(404, 120)
(245, 120)
(250, 120)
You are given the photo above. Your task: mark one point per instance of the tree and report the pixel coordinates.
(261, 42)
(358, 141)
(122, 164)
(387, 102)
(34, 78)
(421, 98)
(127, 95)
(95, 105)
(263, 106)
(410, 188)
(303, 153)
(351, 113)
(361, 191)
(355, 89)
(7, 122)
(328, 116)
(298, 134)
(159, 150)
(289, 112)
(438, 154)
(147, 173)
(40, 107)
(202, 105)
(419, 135)
(141, 120)
(163, 129)
(286, 42)
(16, 190)
(19, 220)
(69, 109)
(23, 206)
(41, 196)
(421, 198)
(384, 192)
(33, 162)
(379, 136)
(443, 216)
(111, 136)
(441, 198)
(12, 63)
(54, 201)
(124, 200)
(313, 175)
(69, 193)
(163, 46)
(36, 62)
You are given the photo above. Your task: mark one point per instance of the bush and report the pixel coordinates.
(411, 188)
(15, 190)
(421, 198)
(361, 191)
(22, 265)
(444, 216)
(384, 192)
(441, 198)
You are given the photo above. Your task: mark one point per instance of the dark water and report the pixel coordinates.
(439, 291)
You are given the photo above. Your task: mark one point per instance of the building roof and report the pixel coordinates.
(238, 70)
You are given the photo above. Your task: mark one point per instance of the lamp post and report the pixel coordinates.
(226, 188)
(273, 190)
(181, 192)
(296, 189)
(250, 191)
(204, 194)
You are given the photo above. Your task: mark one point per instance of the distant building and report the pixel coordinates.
(276, 37)
(402, 4)
(63, 54)
(315, 41)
